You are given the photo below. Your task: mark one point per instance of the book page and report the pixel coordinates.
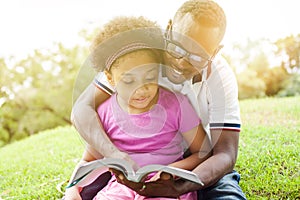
(87, 171)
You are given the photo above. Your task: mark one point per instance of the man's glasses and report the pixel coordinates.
(175, 50)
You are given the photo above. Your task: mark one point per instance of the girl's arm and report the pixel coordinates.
(199, 147)
(89, 154)
(86, 121)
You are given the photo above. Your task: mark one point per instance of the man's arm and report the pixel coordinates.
(225, 149)
(85, 119)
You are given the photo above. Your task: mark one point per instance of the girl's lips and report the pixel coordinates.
(141, 99)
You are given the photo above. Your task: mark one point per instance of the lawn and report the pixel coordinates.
(268, 155)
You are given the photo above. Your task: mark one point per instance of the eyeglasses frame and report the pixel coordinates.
(168, 39)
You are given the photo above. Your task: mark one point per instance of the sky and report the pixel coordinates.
(26, 25)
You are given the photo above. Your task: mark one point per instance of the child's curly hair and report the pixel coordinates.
(121, 24)
(121, 31)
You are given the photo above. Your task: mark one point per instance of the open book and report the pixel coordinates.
(103, 165)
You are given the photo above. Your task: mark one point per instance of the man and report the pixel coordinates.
(200, 22)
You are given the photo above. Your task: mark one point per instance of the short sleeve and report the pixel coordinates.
(223, 104)
(101, 82)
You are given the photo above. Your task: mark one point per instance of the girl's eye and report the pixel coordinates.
(127, 80)
(151, 77)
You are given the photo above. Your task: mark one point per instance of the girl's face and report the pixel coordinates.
(135, 80)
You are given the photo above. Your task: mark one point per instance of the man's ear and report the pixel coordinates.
(109, 77)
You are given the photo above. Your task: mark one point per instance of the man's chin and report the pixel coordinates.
(175, 77)
(177, 80)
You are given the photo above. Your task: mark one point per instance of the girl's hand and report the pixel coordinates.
(125, 156)
(72, 193)
(161, 176)
(155, 177)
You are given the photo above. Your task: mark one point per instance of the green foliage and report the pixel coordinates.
(274, 79)
(37, 91)
(268, 158)
(257, 77)
(289, 46)
(291, 86)
(250, 86)
(260, 64)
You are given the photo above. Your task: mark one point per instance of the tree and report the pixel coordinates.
(256, 72)
(37, 91)
(250, 86)
(288, 49)
(291, 87)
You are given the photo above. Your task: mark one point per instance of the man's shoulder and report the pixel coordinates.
(221, 70)
(220, 64)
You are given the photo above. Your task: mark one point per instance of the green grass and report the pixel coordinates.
(31, 168)
(268, 155)
(269, 148)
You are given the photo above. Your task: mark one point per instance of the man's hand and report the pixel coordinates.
(165, 186)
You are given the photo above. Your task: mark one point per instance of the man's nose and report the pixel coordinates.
(181, 64)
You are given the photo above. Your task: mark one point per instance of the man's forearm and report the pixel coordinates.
(225, 147)
(89, 127)
(85, 119)
(214, 168)
(209, 172)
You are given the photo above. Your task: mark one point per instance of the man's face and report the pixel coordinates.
(196, 42)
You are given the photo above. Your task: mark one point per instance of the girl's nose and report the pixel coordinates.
(142, 89)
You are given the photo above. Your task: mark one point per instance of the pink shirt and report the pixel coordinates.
(153, 137)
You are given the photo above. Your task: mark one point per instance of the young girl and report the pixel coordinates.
(151, 124)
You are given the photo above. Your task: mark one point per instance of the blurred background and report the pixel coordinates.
(43, 45)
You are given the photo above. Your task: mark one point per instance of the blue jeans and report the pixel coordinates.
(226, 188)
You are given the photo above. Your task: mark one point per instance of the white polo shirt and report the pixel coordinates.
(215, 98)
